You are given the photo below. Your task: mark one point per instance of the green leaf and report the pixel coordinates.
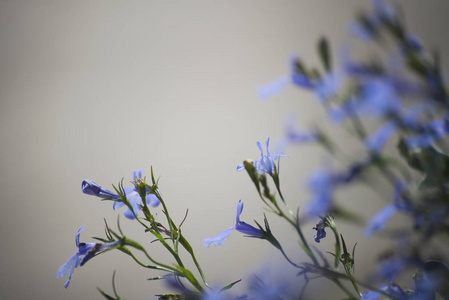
(324, 53)
(230, 285)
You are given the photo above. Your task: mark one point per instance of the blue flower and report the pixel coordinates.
(266, 163)
(84, 253)
(431, 132)
(131, 193)
(91, 188)
(320, 231)
(377, 140)
(239, 226)
(378, 221)
(322, 184)
(378, 97)
(273, 88)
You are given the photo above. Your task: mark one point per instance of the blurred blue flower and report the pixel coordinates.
(91, 188)
(266, 163)
(376, 141)
(378, 221)
(377, 98)
(84, 253)
(239, 226)
(431, 132)
(320, 232)
(322, 184)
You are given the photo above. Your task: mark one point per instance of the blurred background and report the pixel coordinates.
(97, 89)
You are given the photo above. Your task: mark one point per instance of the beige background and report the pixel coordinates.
(96, 89)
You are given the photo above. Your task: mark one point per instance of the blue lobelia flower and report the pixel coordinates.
(131, 193)
(266, 163)
(320, 231)
(239, 226)
(84, 253)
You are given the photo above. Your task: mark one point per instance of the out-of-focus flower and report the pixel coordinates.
(84, 253)
(273, 88)
(377, 140)
(239, 226)
(320, 231)
(322, 184)
(266, 163)
(431, 132)
(378, 221)
(377, 98)
(91, 188)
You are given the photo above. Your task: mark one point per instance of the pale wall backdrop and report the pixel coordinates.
(96, 89)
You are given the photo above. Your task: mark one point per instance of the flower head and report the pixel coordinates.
(266, 163)
(131, 193)
(322, 184)
(239, 226)
(320, 231)
(84, 253)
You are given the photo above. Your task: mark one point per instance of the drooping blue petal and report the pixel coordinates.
(378, 221)
(67, 266)
(152, 200)
(218, 239)
(91, 188)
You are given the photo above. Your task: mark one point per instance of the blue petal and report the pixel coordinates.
(370, 295)
(77, 238)
(273, 88)
(137, 174)
(218, 239)
(377, 140)
(240, 167)
(379, 220)
(152, 200)
(67, 266)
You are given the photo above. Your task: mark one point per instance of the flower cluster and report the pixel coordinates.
(406, 99)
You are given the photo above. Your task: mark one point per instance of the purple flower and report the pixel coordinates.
(84, 253)
(239, 226)
(91, 188)
(266, 163)
(320, 232)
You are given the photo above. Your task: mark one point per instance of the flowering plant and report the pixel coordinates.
(407, 100)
